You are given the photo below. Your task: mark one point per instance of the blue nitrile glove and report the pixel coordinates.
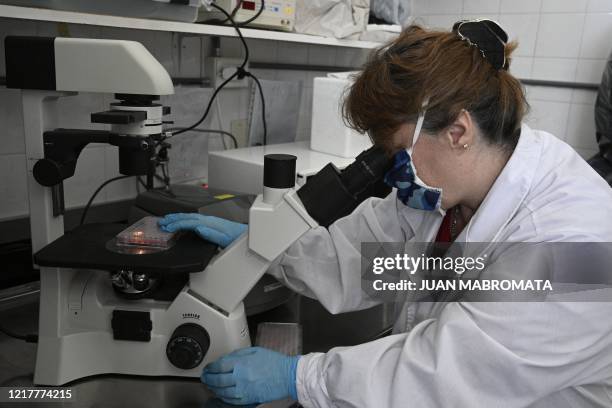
(252, 375)
(214, 229)
(217, 403)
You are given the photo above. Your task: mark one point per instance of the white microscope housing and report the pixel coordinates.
(86, 326)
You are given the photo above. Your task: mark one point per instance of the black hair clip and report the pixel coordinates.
(488, 37)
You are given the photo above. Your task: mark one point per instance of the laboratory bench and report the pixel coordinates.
(321, 331)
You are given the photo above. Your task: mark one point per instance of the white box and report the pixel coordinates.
(241, 170)
(278, 14)
(329, 134)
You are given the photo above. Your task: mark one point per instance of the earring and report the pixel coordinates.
(465, 146)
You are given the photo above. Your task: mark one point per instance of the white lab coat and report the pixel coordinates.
(467, 354)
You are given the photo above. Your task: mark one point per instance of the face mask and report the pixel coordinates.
(411, 190)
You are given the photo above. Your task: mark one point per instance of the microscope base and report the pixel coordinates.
(76, 337)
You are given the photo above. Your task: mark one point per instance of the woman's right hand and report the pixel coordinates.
(214, 229)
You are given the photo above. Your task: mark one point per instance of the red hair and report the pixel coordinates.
(438, 65)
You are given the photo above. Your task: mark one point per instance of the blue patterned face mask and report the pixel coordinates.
(411, 190)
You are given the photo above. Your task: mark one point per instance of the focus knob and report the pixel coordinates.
(188, 346)
(47, 172)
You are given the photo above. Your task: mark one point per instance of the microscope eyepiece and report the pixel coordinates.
(369, 167)
(279, 170)
(332, 194)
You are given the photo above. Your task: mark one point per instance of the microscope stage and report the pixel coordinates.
(85, 247)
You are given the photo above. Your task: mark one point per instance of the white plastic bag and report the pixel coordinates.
(332, 18)
(392, 11)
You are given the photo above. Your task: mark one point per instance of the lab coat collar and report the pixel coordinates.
(508, 192)
(495, 212)
(500, 204)
(422, 224)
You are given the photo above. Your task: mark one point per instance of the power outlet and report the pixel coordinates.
(239, 128)
(218, 69)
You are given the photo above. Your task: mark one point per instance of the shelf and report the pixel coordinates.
(39, 14)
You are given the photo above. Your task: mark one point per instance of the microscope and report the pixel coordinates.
(156, 313)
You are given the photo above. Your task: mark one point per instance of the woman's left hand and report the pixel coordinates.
(252, 375)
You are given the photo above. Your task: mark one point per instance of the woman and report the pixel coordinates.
(466, 170)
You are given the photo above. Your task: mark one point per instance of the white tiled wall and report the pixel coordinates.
(182, 56)
(565, 40)
(559, 40)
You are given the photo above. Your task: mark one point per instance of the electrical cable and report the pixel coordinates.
(142, 182)
(246, 47)
(93, 196)
(249, 74)
(221, 132)
(30, 338)
(203, 117)
(241, 72)
(220, 120)
(263, 108)
(234, 11)
(165, 174)
(233, 14)
(161, 179)
(214, 95)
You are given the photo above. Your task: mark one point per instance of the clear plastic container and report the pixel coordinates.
(147, 234)
(329, 134)
(285, 338)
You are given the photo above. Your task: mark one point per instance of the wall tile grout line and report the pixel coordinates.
(575, 125)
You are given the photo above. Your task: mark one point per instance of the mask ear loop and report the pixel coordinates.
(419, 125)
(415, 137)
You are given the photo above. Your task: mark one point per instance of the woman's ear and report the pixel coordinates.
(460, 134)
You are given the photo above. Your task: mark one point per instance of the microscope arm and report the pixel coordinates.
(280, 217)
(62, 148)
(273, 227)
